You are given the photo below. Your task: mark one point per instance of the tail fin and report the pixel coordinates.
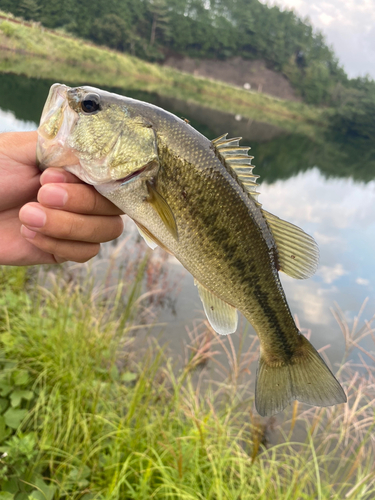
(305, 377)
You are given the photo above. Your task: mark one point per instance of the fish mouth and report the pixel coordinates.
(53, 111)
(131, 176)
(108, 187)
(56, 122)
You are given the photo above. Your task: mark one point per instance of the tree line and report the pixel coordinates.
(218, 29)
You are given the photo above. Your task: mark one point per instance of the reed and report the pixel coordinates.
(90, 412)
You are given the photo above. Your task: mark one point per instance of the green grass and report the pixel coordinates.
(31, 50)
(90, 412)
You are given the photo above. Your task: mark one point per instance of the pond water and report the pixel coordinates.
(320, 193)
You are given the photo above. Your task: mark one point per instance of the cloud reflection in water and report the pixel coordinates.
(339, 213)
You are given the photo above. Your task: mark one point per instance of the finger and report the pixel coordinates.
(58, 175)
(22, 146)
(77, 198)
(70, 226)
(62, 250)
(14, 250)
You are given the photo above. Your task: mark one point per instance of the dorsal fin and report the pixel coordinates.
(298, 253)
(235, 156)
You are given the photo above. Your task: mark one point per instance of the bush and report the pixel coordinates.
(7, 28)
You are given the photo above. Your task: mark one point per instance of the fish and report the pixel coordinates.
(197, 199)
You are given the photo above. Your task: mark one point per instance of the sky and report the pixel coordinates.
(348, 26)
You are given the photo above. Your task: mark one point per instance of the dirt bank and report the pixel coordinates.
(219, 122)
(238, 71)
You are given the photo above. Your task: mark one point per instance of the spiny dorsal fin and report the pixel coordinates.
(221, 316)
(236, 157)
(298, 252)
(219, 139)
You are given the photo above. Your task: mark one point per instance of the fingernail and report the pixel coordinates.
(52, 195)
(27, 233)
(52, 176)
(33, 216)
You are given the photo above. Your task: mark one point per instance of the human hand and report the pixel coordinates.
(62, 220)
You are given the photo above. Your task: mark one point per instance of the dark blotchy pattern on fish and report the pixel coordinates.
(240, 263)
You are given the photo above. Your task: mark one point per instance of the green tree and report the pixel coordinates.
(204, 29)
(160, 20)
(112, 31)
(353, 116)
(29, 10)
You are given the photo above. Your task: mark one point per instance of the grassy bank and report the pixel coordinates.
(31, 50)
(87, 413)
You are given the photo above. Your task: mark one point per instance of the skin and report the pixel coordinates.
(48, 218)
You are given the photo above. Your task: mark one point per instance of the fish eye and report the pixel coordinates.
(91, 104)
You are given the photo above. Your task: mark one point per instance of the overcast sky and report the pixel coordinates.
(348, 26)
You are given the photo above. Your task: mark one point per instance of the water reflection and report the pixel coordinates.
(300, 184)
(339, 214)
(9, 123)
(279, 155)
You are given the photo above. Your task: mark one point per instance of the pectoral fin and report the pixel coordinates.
(221, 316)
(298, 252)
(163, 209)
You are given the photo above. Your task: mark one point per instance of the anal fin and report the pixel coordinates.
(221, 315)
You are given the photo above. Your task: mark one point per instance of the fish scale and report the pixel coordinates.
(238, 264)
(197, 199)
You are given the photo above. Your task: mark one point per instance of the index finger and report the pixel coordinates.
(77, 198)
(57, 175)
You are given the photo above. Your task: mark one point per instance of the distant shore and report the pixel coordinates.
(34, 51)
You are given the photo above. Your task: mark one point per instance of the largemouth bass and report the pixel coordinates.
(196, 199)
